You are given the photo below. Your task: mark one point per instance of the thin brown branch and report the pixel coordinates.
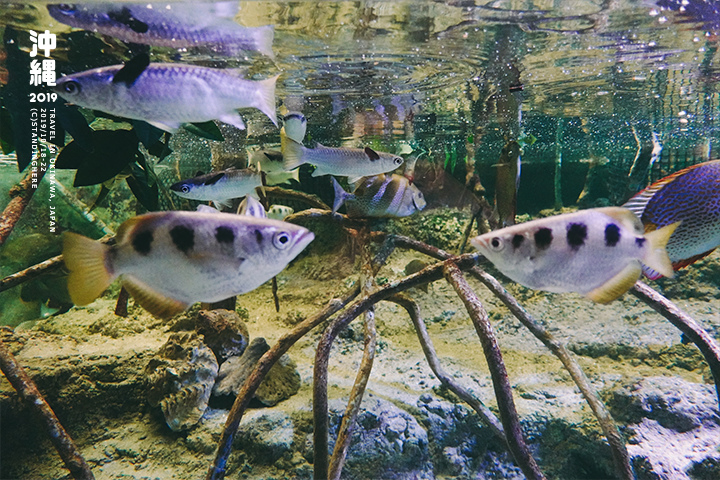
(682, 321)
(447, 380)
(21, 195)
(619, 451)
(217, 469)
(503, 391)
(342, 443)
(285, 194)
(60, 439)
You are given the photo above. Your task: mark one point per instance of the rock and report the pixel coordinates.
(225, 333)
(387, 442)
(180, 379)
(281, 382)
(676, 431)
(266, 436)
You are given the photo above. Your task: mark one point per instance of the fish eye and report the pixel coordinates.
(185, 188)
(67, 8)
(399, 160)
(496, 244)
(71, 87)
(281, 240)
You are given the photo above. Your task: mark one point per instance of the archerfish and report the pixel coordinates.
(353, 163)
(219, 187)
(380, 196)
(691, 195)
(270, 162)
(173, 25)
(170, 260)
(167, 95)
(597, 252)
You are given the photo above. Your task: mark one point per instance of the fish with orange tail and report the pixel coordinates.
(692, 196)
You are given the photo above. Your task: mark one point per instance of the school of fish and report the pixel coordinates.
(170, 260)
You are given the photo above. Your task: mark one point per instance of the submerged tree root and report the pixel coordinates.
(683, 322)
(503, 392)
(60, 439)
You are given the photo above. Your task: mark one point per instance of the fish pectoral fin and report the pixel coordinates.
(154, 302)
(225, 203)
(132, 69)
(353, 180)
(167, 126)
(617, 285)
(89, 275)
(233, 119)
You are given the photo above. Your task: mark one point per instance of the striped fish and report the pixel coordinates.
(691, 195)
(598, 252)
(380, 196)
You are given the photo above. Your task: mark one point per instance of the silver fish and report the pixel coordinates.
(353, 163)
(295, 126)
(380, 196)
(271, 163)
(169, 260)
(219, 187)
(167, 95)
(597, 252)
(169, 25)
(279, 212)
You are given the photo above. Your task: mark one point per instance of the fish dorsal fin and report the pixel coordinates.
(156, 303)
(624, 216)
(639, 202)
(372, 154)
(617, 285)
(125, 16)
(214, 179)
(126, 228)
(273, 156)
(132, 69)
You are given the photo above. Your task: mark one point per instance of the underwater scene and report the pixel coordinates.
(360, 240)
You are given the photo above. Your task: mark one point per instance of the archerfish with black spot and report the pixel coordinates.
(166, 95)
(597, 252)
(170, 260)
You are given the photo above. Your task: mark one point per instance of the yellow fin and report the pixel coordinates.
(152, 301)
(89, 275)
(617, 285)
(656, 256)
(126, 228)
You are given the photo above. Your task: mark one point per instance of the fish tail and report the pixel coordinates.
(265, 101)
(340, 195)
(291, 151)
(89, 273)
(656, 257)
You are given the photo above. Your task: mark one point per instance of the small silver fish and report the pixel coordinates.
(597, 252)
(271, 163)
(219, 187)
(279, 212)
(294, 126)
(353, 163)
(167, 95)
(173, 25)
(380, 196)
(170, 260)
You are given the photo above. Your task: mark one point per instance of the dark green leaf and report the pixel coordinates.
(143, 183)
(101, 196)
(147, 134)
(7, 141)
(112, 151)
(206, 130)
